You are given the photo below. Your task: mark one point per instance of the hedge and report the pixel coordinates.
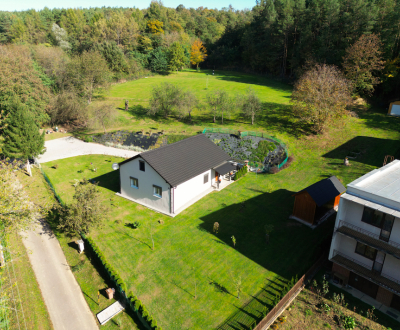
(133, 302)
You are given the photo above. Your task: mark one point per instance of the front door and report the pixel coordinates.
(362, 284)
(216, 176)
(395, 302)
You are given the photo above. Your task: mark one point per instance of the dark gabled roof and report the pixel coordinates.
(325, 190)
(183, 160)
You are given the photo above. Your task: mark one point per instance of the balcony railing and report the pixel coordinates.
(336, 252)
(366, 271)
(366, 232)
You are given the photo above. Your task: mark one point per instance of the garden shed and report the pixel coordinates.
(171, 178)
(315, 203)
(394, 108)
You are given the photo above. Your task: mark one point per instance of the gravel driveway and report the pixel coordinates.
(70, 147)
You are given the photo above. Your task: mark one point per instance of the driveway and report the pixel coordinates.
(70, 147)
(62, 294)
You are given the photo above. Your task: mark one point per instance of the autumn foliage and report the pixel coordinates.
(198, 53)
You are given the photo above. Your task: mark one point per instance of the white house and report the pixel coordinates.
(365, 248)
(171, 178)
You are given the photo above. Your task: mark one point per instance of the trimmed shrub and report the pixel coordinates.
(138, 305)
(153, 324)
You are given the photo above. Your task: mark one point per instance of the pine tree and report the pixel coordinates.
(21, 136)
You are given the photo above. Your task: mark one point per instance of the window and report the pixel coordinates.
(376, 218)
(141, 165)
(205, 178)
(157, 191)
(134, 183)
(366, 251)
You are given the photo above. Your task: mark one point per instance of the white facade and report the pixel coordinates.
(173, 199)
(144, 194)
(376, 192)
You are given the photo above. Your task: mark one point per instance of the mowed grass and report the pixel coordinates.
(186, 281)
(90, 277)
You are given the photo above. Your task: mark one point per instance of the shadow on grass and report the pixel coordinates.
(364, 149)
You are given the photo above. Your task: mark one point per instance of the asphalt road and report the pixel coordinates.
(62, 294)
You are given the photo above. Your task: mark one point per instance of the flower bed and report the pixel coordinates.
(258, 150)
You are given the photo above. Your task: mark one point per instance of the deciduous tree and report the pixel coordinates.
(104, 114)
(88, 72)
(363, 63)
(319, 96)
(176, 57)
(187, 103)
(250, 104)
(86, 212)
(165, 98)
(198, 53)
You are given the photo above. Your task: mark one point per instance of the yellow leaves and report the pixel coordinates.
(175, 26)
(198, 53)
(155, 26)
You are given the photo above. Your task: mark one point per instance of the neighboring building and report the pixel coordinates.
(365, 248)
(173, 177)
(394, 108)
(317, 202)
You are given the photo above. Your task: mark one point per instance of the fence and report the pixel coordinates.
(289, 297)
(52, 187)
(250, 133)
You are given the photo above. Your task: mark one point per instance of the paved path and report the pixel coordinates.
(70, 147)
(62, 294)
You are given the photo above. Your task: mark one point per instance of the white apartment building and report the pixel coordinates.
(365, 248)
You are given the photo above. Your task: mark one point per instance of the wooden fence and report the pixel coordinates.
(289, 297)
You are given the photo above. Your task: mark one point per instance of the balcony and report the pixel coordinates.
(368, 238)
(366, 271)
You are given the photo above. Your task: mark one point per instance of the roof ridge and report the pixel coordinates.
(168, 145)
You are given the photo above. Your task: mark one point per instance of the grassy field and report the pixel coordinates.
(188, 256)
(90, 277)
(19, 282)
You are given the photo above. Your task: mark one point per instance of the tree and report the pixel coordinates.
(67, 108)
(155, 27)
(104, 114)
(88, 72)
(114, 56)
(165, 98)
(237, 282)
(187, 103)
(87, 210)
(61, 37)
(219, 103)
(319, 96)
(176, 57)
(21, 136)
(158, 60)
(250, 104)
(17, 213)
(363, 61)
(198, 53)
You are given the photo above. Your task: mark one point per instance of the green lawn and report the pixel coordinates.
(186, 250)
(90, 277)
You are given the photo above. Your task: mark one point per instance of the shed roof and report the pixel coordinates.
(325, 190)
(225, 168)
(183, 160)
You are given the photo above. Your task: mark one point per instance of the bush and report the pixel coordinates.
(88, 138)
(240, 173)
(349, 323)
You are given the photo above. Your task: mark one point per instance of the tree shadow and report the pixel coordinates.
(379, 119)
(220, 288)
(364, 149)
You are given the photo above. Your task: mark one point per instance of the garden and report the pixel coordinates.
(258, 150)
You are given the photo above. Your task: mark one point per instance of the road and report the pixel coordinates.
(62, 294)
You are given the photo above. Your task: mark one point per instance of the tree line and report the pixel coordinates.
(276, 37)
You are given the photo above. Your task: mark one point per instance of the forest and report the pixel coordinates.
(54, 60)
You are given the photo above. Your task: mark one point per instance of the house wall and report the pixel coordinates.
(147, 179)
(391, 267)
(304, 207)
(188, 190)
